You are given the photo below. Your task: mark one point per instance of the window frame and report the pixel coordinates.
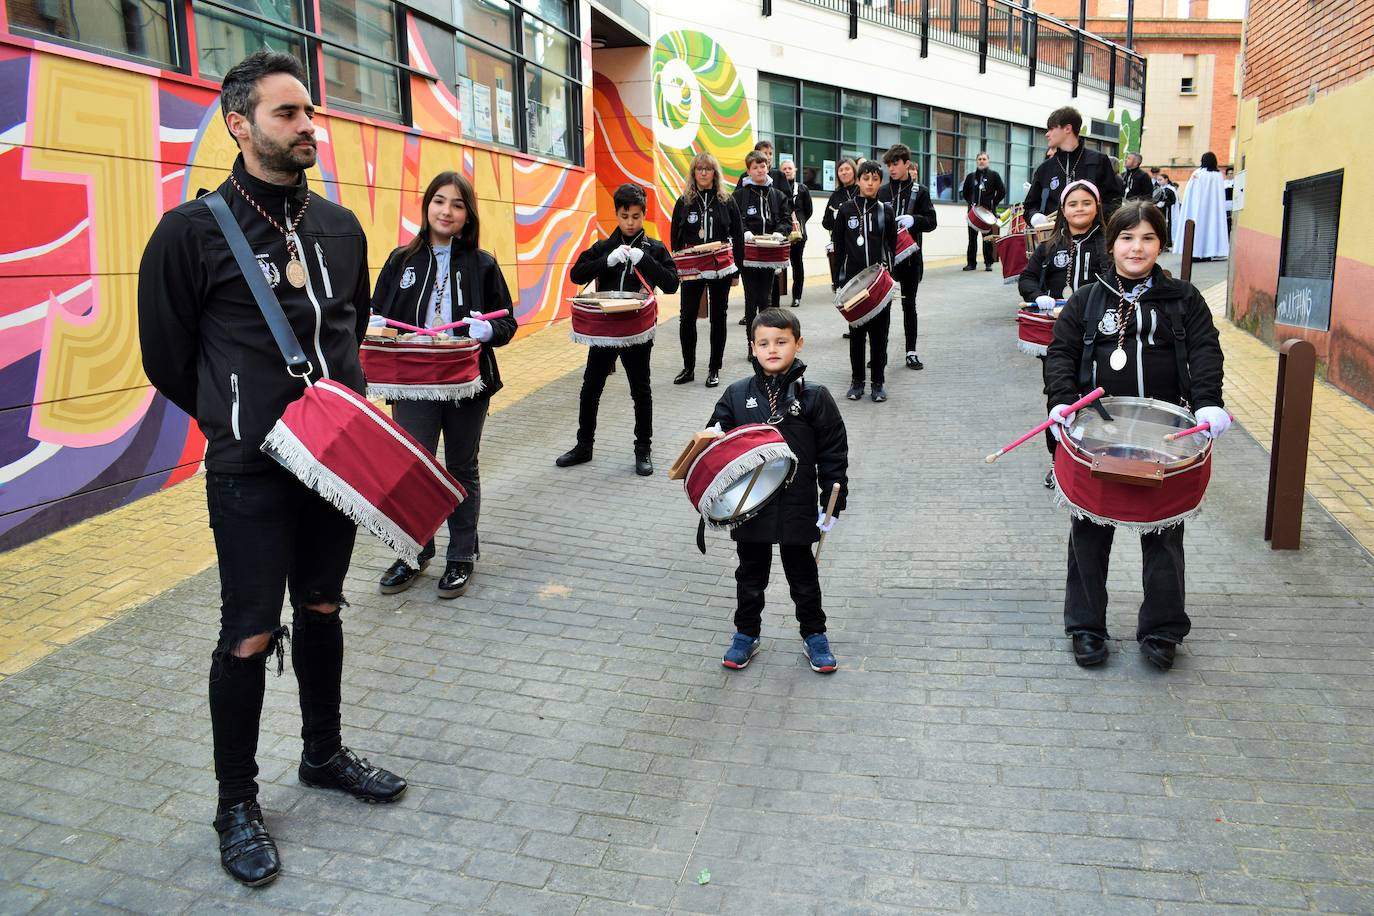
(177, 37)
(1337, 177)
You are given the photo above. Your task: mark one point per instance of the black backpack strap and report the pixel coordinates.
(1093, 310)
(1185, 378)
(271, 310)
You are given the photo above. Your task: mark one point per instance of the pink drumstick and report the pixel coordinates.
(1200, 428)
(408, 327)
(1072, 408)
(486, 317)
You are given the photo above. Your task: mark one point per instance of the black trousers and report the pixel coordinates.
(274, 535)
(718, 296)
(874, 332)
(908, 314)
(1085, 595)
(798, 273)
(751, 580)
(461, 423)
(989, 248)
(760, 292)
(600, 364)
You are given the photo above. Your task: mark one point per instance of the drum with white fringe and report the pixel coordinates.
(614, 319)
(708, 261)
(906, 246)
(421, 367)
(1123, 472)
(865, 296)
(768, 253)
(737, 475)
(1035, 330)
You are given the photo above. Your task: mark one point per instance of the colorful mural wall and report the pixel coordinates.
(92, 155)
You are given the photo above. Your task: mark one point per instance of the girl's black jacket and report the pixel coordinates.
(1055, 268)
(719, 218)
(814, 430)
(405, 287)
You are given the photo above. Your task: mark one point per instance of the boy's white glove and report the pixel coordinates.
(1040, 220)
(376, 321)
(1044, 303)
(635, 255)
(616, 258)
(1060, 418)
(479, 329)
(778, 237)
(1218, 417)
(905, 221)
(748, 236)
(822, 524)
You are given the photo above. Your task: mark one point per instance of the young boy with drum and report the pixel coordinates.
(627, 261)
(439, 277)
(1073, 257)
(1148, 335)
(705, 213)
(916, 214)
(865, 233)
(810, 422)
(764, 211)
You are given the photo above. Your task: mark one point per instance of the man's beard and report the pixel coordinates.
(276, 157)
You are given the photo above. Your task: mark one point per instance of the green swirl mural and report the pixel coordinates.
(699, 106)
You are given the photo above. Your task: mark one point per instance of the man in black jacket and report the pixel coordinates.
(982, 188)
(1070, 162)
(207, 349)
(1135, 181)
(916, 214)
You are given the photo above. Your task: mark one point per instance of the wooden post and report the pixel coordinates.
(1185, 273)
(1288, 454)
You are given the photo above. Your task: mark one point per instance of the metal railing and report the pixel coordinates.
(1005, 32)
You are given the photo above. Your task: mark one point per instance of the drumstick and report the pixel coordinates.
(1200, 428)
(747, 490)
(1072, 408)
(502, 313)
(829, 514)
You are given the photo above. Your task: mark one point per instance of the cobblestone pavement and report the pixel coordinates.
(574, 746)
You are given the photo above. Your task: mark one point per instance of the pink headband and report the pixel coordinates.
(1085, 185)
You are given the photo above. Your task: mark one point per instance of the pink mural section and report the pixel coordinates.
(624, 154)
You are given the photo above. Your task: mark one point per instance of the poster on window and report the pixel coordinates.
(481, 111)
(827, 174)
(466, 122)
(505, 115)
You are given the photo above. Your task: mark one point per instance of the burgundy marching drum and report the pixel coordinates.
(737, 475)
(1011, 252)
(767, 252)
(708, 261)
(1124, 473)
(614, 318)
(906, 246)
(421, 367)
(982, 219)
(862, 298)
(1035, 330)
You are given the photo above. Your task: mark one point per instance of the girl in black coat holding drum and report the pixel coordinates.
(705, 213)
(1151, 336)
(443, 276)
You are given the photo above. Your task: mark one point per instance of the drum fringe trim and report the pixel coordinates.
(742, 465)
(456, 392)
(874, 313)
(774, 266)
(710, 274)
(905, 256)
(288, 451)
(1025, 346)
(591, 340)
(1061, 501)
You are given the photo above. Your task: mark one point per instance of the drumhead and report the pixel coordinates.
(1137, 430)
(772, 477)
(861, 280)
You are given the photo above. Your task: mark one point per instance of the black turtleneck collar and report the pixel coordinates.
(266, 193)
(636, 242)
(794, 372)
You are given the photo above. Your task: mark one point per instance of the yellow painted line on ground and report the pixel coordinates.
(1340, 458)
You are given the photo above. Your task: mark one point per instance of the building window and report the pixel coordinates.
(1185, 86)
(137, 29)
(1307, 263)
(1184, 147)
(359, 81)
(486, 95)
(224, 38)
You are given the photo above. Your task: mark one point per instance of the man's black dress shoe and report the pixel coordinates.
(457, 575)
(1159, 652)
(713, 378)
(401, 576)
(970, 267)
(988, 268)
(685, 376)
(246, 849)
(644, 465)
(346, 772)
(578, 454)
(1089, 649)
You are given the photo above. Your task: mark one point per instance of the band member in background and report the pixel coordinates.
(982, 188)
(1165, 196)
(1122, 332)
(865, 233)
(1069, 161)
(764, 210)
(442, 276)
(705, 213)
(1229, 185)
(916, 214)
(799, 198)
(779, 179)
(846, 178)
(1135, 183)
(208, 350)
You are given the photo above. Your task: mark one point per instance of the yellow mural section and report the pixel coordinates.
(92, 125)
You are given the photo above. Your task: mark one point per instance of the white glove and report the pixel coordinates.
(822, 524)
(1044, 303)
(1040, 220)
(1218, 417)
(716, 428)
(778, 236)
(616, 257)
(376, 321)
(635, 255)
(829, 247)
(1060, 418)
(905, 221)
(479, 329)
(748, 236)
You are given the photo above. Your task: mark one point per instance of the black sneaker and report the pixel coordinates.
(347, 772)
(401, 576)
(1049, 479)
(456, 578)
(855, 392)
(685, 376)
(968, 267)
(879, 394)
(644, 465)
(246, 849)
(713, 379)
(578, 454)
(987, 267)
(914, 362)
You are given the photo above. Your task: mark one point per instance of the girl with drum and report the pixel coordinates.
(439, 277)
(706, 213)
(1073, 257)
(1138, 333)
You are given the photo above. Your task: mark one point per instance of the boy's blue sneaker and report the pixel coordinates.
(818, 653)
(742, 648)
